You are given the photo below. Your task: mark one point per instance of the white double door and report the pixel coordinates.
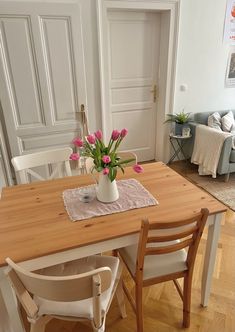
(42, 74)
(133, 42)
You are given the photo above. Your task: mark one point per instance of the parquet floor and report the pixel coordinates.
(163, 307)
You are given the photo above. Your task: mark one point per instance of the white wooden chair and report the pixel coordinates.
(161, 256)
(56, 162)
(124, 155)
(79, 290)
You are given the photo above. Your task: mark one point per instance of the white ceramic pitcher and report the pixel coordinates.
(106, 190)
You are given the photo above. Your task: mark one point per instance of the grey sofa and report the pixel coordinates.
(227, 157)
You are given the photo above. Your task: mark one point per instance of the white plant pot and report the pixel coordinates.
(106, 190)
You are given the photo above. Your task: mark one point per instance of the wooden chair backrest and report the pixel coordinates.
(59, 158)
(89, 164)
(61, 288)
(126, 155)
(186, 232)
(64, 288)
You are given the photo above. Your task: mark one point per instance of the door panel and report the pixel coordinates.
(20, 71)
(139, 136)
(42, 73)
(131, 64)
(133, 70)
(58, 58)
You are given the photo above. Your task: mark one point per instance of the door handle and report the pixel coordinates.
(154, 92)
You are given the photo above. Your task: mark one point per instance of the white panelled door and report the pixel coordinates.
(133, 40)
(42, 75)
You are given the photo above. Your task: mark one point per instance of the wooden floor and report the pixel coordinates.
(162, 305)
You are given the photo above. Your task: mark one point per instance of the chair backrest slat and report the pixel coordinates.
(63, 288)
(171, 237)
(176, 223)
(32, 173)
(127, 155)
(168, 249)
(58, 158)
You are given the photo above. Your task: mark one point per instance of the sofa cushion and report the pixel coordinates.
(202, 117)
(214, 121)
(232, 157)
(227, 122)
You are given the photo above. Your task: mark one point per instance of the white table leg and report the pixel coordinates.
(11, 320)
(210, 256)
(4, 319)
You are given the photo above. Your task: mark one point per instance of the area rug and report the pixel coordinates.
(223, 191)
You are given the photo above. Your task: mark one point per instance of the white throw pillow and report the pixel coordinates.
(233, 128)
(214, 121)
(227, 122)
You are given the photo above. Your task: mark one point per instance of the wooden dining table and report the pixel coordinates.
(36, 231)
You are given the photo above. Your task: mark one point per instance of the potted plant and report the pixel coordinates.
(180, 119)
(105, 161)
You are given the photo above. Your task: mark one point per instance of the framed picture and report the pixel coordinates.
(186, 132)
(230, 74)
(229, 23)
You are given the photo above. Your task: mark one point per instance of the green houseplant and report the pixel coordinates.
(180, 119)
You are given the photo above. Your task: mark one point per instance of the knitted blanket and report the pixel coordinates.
(207, 148)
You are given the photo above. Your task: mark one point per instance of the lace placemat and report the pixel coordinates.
(132, 195)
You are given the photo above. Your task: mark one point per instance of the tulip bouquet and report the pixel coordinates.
(105, 158)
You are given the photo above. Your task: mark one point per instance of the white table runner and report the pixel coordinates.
(132, 195)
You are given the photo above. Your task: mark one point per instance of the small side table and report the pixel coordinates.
(178, 143)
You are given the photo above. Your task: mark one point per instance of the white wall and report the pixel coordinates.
(202, 58)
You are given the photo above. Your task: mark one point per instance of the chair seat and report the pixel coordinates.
(81, 308)
(155, 265)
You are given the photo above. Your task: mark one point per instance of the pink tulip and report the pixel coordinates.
(138, 169)
(74, 156)
(115, 134)
(91, 139)
(98, 134)
(106, 159)
(78, 142)
(124, 132)
(106, 171)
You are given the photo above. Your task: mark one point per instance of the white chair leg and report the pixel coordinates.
(121, 299)
(40, 324)
(101, 328)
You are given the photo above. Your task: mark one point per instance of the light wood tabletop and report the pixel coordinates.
(34, 222)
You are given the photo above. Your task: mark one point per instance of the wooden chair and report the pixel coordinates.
(79, 290)
(124, 155)
(58, 159)
(161, 256)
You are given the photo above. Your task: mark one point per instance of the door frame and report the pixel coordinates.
(169, 11)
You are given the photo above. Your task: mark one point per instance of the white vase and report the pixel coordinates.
(106, 190)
